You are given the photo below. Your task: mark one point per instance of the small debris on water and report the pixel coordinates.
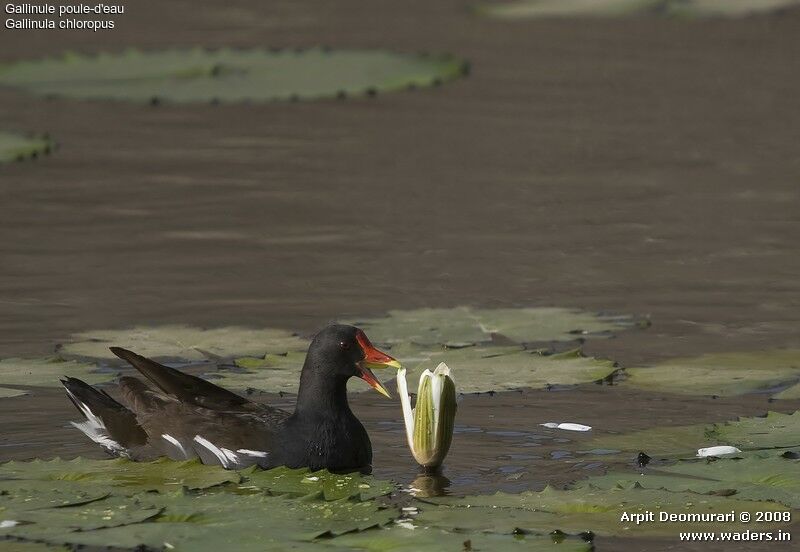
(567, 426)
(716, 451)
(642, 460)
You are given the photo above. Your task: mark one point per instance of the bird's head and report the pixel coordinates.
(346, 351)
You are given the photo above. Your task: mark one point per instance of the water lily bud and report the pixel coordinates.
(429, 426)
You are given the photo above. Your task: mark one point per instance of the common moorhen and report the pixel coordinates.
(189, 417)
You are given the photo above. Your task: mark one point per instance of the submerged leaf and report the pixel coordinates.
(16, 147)
(461, 326)
(229, 75)
(524, 9)
(46, 372)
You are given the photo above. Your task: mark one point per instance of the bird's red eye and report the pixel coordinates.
(344, 345)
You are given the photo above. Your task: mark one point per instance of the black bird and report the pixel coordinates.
(187, 416)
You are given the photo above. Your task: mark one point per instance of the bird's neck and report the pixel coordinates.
(321, 396)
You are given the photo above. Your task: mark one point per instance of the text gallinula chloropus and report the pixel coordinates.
(187, 416)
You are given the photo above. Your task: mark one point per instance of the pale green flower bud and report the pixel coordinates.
(429, 426)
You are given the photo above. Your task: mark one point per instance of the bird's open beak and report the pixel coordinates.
(373, 358)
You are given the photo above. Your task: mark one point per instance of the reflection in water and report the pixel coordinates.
(429, 484)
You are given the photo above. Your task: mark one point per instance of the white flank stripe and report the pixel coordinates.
(256, 453)
(177, 444)
(225, 457)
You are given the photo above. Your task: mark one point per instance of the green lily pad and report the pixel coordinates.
(722, 374)
(724, 8)
(775, 430)
(467, 326)
(51, 524)
(598, 510)
(480, 369)
(664, 442)
(274, 373)
(160, 475)
(6, 392)
(17, 147)
(529, 9)
(326, 485)
(402, 538)
(218, 521)
(16, 546)
(751, 476)
(184, 342)
(46, 372)
(229, 75)
(525, 9)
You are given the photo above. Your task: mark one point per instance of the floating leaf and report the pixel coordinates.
(775, 430)
(753, 476)
(403, 538)
(220, 521)
(467, 326)
(184, 342)
(160, 475)
(724, 8)
(527, 9)
(269, 373)
(488, 368)
(47, 371)
(302, 482)
(54, 524)
(6, 392)
(17, 147)
(600, 510)
(524, 9)
(722, 374)
(229, 75)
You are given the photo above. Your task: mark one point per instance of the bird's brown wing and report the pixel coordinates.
(191, 417)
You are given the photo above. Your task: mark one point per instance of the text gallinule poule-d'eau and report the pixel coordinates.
(187, 416)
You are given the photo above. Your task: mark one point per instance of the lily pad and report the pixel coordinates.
(403, 538)
(229, 75)
(51, 524)
(775, 430)
(184, 342)
(525, 9)
(271, 372)
(722, 374)
(160, 475)
(323, 484)
(598, 510)
(528, 9)
(753, 476)
(18, 147)
(46, 372)
(462, 326)
(6, 392)
(725, 8)
(486, 368)
(216, 521)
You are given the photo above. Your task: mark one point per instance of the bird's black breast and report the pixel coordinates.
(337, 444)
